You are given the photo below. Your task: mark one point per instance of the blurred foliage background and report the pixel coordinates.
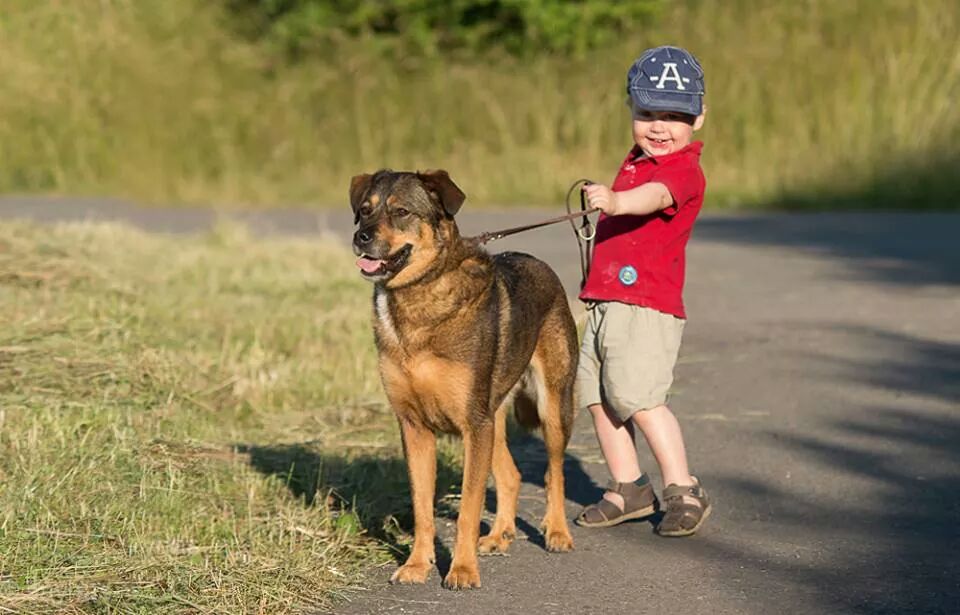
(431, 27)
(812, 103)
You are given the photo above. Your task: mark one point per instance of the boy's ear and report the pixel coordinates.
(358, 187)
(698, 123)
(438, 183)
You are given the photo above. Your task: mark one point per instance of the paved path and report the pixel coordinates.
(818, 390)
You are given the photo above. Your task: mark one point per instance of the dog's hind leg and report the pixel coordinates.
(554, 366)
(507, 480)
(555, 527)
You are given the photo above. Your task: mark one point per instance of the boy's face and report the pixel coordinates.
(659, 133)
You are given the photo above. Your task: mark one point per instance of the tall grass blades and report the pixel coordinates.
(811, 104)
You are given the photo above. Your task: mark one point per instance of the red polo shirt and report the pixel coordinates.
(641, 260)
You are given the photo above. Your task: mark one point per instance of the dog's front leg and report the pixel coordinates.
(478, 448)
(420, 449)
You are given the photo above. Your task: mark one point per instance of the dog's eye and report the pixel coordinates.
(401, 212)
(365, 210)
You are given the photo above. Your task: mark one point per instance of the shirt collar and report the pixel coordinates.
(636, 154)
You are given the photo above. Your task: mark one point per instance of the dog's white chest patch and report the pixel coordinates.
(386, 321)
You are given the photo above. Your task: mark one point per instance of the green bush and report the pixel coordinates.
(522, 27)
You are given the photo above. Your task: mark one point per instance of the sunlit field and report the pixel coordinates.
(811, 104)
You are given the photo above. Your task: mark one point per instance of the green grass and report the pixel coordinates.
(812, 103)
(190, 424)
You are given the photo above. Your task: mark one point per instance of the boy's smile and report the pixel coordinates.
(659, 133)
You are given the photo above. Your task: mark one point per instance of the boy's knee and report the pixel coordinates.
(648, 416)
(601, 411)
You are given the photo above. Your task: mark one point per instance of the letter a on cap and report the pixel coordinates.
(670, 73)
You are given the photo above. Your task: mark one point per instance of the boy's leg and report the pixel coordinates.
(686, 505)
(616, 436)
(625, 499)
(662, 431)
(641, 348)
(618, 448)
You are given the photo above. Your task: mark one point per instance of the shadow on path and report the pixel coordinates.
(903, 248)
(880, 524)
(897, 543)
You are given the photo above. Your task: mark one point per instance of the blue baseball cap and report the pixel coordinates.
(667, 79)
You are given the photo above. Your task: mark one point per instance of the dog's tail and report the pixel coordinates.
(529, 398)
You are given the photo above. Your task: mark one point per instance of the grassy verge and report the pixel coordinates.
(812, 103)
(189, 424)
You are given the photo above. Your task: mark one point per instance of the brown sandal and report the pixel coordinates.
(639, 500)
(682, 518)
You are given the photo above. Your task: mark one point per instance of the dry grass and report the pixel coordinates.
(189, 425)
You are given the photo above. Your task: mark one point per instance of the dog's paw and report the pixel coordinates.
(496, 542)
(411, 573)
(559, 541)
(462, 577)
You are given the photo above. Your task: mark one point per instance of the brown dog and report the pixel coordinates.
(460, 333)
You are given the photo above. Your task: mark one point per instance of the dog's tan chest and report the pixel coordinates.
(428, 389)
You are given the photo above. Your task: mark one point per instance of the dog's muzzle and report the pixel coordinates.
(375, 261)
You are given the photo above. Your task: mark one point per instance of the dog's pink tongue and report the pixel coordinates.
(369, 265)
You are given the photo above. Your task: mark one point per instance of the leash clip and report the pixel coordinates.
(590, 228)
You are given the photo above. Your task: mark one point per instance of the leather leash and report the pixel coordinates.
(489, 236)
(584, 234)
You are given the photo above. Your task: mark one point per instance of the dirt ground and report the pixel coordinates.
(819, 393)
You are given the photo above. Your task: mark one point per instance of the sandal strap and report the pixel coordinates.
(605, 507)
(616, 487)
(679, 491)
(686, 509)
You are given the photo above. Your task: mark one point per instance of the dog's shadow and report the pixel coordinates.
(376, 487)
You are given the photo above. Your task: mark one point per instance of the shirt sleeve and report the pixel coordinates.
(684, 181)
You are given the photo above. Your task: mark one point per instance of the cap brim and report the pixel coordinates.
(667, 101)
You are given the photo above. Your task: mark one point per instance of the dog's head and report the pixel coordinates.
(405, 222)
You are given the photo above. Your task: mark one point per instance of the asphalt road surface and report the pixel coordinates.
(819, 392)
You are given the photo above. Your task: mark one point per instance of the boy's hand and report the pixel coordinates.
(602, 198)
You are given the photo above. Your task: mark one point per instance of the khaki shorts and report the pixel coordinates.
(627, 357)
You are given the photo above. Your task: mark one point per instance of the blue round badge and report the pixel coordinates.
(627, 275)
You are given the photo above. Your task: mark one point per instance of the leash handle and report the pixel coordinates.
(587, 231)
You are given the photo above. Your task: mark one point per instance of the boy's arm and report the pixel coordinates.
(642, 200)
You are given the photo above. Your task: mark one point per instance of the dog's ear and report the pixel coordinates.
(358, 186)
(439, 183)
